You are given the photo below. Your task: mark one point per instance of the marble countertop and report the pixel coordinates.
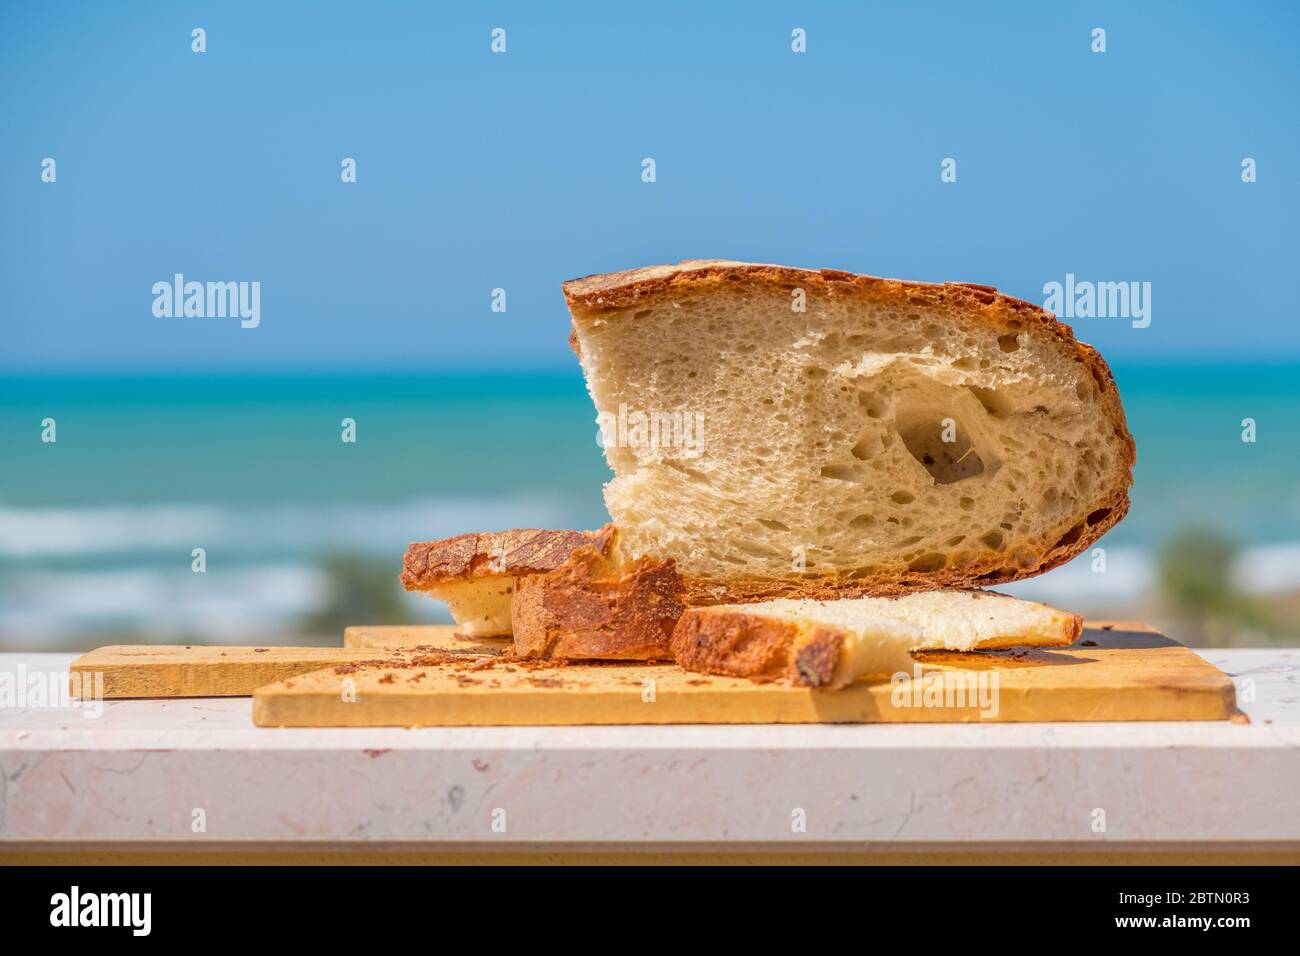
(197, 773)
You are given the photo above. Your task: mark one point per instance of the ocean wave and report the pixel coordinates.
(255, 600)
(29, 533)
(1129, 576)
(1268, 569)
(239, 601)
(215, 604)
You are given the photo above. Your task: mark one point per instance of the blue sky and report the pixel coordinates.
(520, 170)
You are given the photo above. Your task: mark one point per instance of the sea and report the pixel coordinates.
(101, 529)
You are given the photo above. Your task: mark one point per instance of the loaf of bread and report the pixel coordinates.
(592, 608)
(832, 643)
(475, 574)
(784, 432)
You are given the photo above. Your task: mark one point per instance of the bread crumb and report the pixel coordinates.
(545, 681)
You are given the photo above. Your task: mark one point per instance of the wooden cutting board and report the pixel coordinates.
(197, 670)
(1115, 672)
(414, 639)
(214, 670)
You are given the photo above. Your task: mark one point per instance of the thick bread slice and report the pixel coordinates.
(591, 609)
(888, 437)
(833, 643)
(475, 574)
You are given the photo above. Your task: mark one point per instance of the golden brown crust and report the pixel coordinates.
(764, 649)
(597, 295)
(761, 648)
(587, 610)
(498, 553)
(735, 644)
(814, 656)
(603, 296)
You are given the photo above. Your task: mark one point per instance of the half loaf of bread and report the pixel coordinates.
(803, 433)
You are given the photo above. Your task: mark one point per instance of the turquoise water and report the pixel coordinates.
(1193, 467)
(97, 529)
(240, 440)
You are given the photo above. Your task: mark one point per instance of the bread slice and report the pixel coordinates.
(890, 436)
(592, 609)
(833, 643)
(475, 574)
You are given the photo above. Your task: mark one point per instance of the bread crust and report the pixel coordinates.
(604, 296)
(766, 649)
(588, 610)
(496, 554)
(736, 645)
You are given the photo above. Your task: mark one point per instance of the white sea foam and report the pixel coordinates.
(256, 598)
(1129, 577)
(130, 565)
(261, 577)
(61, 532)
(169, 606)
(1268, 569)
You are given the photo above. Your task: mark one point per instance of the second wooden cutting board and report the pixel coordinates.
(198, 670)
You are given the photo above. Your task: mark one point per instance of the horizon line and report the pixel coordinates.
(497, 370)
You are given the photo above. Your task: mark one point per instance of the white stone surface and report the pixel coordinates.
(138, 773)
